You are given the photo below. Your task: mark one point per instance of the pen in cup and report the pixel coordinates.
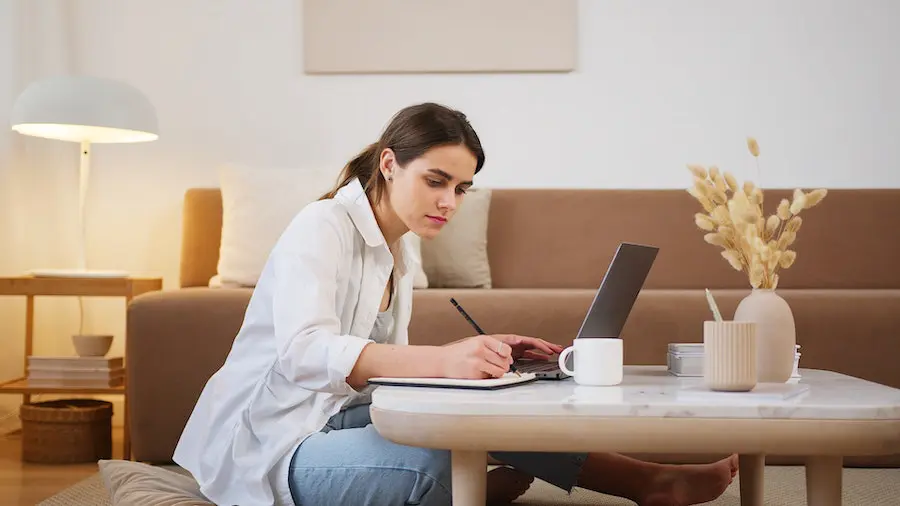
(468, 318)
(713, 306)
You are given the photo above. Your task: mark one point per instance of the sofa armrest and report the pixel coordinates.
(176, 340)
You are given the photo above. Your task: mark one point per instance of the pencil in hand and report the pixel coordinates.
(469, 319)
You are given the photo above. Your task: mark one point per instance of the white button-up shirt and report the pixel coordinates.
(309, 317)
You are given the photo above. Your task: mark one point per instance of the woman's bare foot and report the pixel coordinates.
(683, 485)
(505, 485)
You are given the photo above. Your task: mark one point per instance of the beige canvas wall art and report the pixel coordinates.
(428, 36)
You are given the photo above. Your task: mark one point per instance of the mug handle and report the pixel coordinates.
(562, 360)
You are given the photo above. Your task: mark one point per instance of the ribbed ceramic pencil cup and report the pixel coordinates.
(729, 355)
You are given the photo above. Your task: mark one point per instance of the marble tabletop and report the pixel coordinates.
(650, 391)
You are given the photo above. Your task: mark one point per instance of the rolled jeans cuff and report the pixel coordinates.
(559, 469)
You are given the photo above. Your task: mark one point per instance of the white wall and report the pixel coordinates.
(659, 84)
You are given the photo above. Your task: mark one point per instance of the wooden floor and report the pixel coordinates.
(23, 484)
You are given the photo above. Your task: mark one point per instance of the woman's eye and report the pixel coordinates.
(461, 191)
(434, 182)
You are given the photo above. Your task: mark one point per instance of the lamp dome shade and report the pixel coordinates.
(80, 108)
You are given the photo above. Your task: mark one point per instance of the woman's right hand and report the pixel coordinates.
(478, 357)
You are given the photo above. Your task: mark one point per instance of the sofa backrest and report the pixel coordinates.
(565, 238)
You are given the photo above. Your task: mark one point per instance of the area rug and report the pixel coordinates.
(785, 486)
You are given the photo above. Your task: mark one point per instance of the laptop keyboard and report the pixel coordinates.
(537, 366)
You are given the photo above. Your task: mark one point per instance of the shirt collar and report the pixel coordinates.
(357, 203)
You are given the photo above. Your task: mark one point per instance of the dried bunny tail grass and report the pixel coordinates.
(772, 225)
(799, 203)
(787, 238)
(697, 170)
(774, 259)
(757, 275)
(708, 189)
(793, 225)
(704, 222)
(714, 172)
(715, 239)
(814, 197)
(741, 210)
(787, 259)
(731, 182)
(733, 258)
(774, 284)
(753, 146)
(721, 185)
(721, 215)
(757, 196)
(749, 187)
(727, 232)
(784, 209)
(704, 201)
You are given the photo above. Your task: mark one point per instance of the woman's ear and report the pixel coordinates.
(386, 163)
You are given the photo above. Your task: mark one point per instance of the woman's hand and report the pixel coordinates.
(478, 357)
(489, 356)
(529, 347)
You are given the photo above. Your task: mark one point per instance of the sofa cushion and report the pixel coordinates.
(457, 257)
(257, 205)
(136, 484)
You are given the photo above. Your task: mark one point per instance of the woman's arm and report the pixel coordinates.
(302, 272)
(312, 351)
(395, 360)
(476, 357)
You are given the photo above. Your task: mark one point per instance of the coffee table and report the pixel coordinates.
(649, 413)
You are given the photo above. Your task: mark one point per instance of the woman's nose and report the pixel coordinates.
(447, 202)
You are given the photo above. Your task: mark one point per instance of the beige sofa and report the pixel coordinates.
(548, 250)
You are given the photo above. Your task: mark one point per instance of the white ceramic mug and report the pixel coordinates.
(598, 361)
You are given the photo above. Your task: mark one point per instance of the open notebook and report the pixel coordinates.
(508, 380)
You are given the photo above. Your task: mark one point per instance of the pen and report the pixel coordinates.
(713, 306)
(477, 328)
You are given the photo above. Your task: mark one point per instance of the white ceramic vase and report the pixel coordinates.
(775, 333)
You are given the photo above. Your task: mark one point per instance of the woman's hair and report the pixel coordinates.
(411, 132)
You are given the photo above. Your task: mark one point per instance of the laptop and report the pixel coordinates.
(611, 306)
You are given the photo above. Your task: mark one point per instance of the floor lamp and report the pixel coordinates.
(86, 110)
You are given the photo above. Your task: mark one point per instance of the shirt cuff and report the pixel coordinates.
(342, 363)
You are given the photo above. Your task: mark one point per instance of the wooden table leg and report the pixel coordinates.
(752, 479)
(468, 477)
(823, 480)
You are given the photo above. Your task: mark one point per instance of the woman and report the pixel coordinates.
(286, 421)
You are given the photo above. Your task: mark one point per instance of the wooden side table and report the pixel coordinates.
(32, 286)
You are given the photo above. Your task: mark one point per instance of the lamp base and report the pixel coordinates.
(77, 273)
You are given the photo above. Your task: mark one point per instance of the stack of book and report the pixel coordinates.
(75, 372)
(686, 359)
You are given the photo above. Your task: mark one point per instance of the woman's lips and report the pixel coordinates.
(437, 219)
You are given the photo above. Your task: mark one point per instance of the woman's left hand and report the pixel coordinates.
(529, 347)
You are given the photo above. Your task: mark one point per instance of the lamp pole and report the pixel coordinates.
(84, 174)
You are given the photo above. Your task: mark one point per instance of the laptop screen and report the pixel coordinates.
(618, 291)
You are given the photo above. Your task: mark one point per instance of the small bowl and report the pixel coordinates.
(92, 345)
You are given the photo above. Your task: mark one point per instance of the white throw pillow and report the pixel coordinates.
(258, 203)
(458, 257)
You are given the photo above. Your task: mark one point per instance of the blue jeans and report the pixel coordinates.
(348, 462)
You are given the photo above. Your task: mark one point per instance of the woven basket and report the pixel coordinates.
(66, 431)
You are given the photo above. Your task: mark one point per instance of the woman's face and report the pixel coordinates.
(426, 193)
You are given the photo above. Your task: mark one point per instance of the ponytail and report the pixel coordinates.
(363, 167)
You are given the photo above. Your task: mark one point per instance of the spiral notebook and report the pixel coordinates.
(510, 379)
